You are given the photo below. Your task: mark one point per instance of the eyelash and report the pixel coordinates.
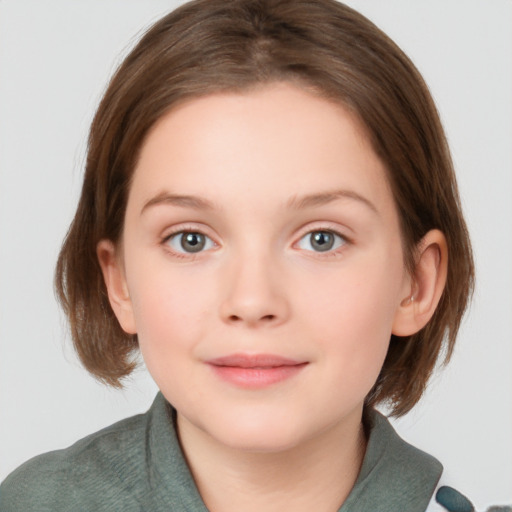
(330, 253)
(183, 231)
(191, 255)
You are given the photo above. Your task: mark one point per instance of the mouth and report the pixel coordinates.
(255, 371)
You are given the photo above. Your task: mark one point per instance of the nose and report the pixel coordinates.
(254, 293)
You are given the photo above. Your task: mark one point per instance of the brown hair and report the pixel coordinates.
(208, 46)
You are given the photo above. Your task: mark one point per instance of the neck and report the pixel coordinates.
(317, 475)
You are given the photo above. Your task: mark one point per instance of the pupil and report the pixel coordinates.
(192, 242)
(322, 240)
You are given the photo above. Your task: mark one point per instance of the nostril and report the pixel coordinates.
(265, 318)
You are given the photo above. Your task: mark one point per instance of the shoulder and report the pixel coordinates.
(88, 473)
(417, 477)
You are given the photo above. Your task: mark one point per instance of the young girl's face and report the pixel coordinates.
(261, 266)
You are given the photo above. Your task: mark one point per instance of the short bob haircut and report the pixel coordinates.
(210, 46)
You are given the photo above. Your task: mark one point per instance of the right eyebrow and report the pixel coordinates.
(184, 201)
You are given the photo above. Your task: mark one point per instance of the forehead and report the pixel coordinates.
(278, 140)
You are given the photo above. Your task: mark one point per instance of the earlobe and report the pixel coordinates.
(115, 282)
(427, 285)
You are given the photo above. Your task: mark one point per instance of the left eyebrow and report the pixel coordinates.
(322, 198)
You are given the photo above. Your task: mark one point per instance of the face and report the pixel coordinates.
(261, 266)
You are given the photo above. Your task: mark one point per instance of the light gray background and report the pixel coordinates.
(55, 58)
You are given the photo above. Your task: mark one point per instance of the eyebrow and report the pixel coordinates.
(322, 198)
(185, 201)
(296, 202)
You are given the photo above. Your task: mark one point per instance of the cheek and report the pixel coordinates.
(170, 310)
(355, 298)
(357, 328)
(351, 316)
(171, 320)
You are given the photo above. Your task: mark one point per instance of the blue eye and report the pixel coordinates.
(321, 241)
(189, 242)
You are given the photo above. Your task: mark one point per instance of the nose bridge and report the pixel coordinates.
(254, 292)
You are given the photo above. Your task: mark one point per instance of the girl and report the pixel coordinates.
(269, 213)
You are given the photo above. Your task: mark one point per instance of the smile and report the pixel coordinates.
(255, 371)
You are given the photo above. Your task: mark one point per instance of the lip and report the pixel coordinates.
(256, 370)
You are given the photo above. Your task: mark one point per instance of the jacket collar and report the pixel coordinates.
(394, 475)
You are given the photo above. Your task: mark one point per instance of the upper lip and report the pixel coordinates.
(254, 361)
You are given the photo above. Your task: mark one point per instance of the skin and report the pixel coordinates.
(256, 173)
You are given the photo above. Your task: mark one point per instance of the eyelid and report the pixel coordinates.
(209, 243)
(313, 227)
(304, 231)
(187, 228)
(329, 228)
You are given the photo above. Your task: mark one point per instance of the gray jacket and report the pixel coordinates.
(137, 465)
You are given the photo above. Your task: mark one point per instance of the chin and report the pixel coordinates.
(259, 441)
(258, 433)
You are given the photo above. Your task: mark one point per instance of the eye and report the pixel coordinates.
(321, 241)
(189, 242)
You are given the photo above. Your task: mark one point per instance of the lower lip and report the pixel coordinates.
(254, 378)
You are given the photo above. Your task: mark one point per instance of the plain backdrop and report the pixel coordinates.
(55, 59)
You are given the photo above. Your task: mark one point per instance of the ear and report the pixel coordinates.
(115, 282)
(426, 285)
